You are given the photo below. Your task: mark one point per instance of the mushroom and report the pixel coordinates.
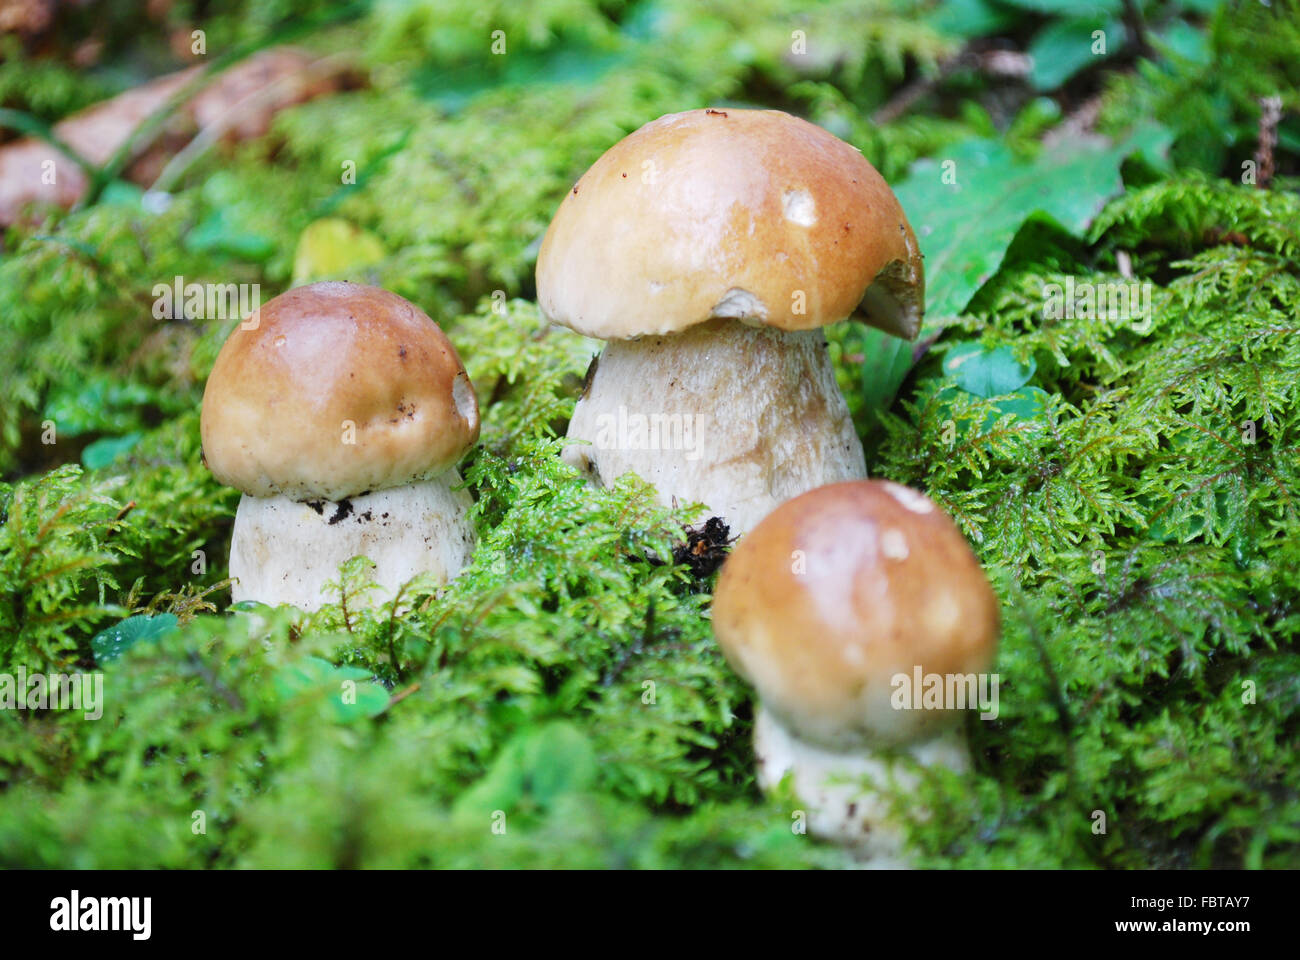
(340, 411)
(708, 248)
(834, 607)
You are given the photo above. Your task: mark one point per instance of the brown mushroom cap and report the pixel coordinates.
(726, 213)
(888, 584)
(281, 396)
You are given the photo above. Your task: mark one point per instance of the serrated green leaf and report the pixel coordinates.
(965, 226)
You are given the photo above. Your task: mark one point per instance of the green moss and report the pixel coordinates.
(1148, 519)
(1143, 539)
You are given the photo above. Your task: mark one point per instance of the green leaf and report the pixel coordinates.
(501, 788)
(987, 373)
(453, 87)
(1027, 403)
(225, 232)
(1183, 40)
(1063, 48)
(332, 247)
(229, 226)
(965, 226)
(352, 698)
(103, 452)
(1034, 119)
(558, 760)
(1073, 8)
(533, 771)
(121, 193)
(972, 18)
(251, 606)
(879, 362)
(108, 645)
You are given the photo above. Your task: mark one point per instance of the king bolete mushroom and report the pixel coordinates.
(708, 248)
(832, 607)
(340, 411)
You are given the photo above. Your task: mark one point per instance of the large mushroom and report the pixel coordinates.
(708, 248)
(833, 608)
(340, 411)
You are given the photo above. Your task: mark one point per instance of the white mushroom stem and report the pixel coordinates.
(834, 786)
(283, 551)
(738, 418)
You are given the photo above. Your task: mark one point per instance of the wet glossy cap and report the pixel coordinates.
(752, 215)
(840, 590)
(332, 390)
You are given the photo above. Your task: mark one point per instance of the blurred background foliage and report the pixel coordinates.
(1146, 551)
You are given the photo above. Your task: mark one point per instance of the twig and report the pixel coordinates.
(1270, 114)
(998, 63)
(401, 695)
(902, 101)
(121, 515)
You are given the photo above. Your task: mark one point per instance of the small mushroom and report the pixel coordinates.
(340, 411)
(831, 608)
(708, 248)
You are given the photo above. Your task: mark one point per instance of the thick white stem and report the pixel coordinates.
(832, 785)
(738, 418)
(283, 551)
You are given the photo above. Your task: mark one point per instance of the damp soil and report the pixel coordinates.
(705, 547)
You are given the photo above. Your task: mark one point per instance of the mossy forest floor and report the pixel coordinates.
(1130, 485)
